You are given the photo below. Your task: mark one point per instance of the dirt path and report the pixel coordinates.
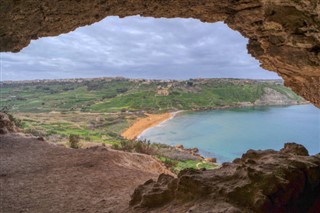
(39, 177)
(144, 123)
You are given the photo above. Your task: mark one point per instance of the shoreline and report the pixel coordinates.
(244, 105)
(143, 124)
(173, 114)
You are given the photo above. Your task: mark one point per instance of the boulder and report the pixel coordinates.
(295, 149)
(154, 193)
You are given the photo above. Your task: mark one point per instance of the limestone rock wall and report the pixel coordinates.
(259, 181)
(284, 35)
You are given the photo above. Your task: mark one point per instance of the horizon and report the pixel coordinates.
(137, 78)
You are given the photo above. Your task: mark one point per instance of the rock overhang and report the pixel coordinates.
(283, 35)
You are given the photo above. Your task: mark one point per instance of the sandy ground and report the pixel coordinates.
(144, 123)
(36, 176)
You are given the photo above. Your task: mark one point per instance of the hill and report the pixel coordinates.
(120, 94)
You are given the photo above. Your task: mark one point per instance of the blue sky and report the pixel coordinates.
(137, 47)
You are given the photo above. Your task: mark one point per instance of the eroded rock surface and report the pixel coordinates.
(284, 35)
(273, 97)
(261, 181)
(37, 176)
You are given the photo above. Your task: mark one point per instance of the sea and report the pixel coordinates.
(227, 134)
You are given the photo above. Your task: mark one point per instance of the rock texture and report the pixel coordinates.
(284, 35)
(261, 181)
(37, 176)
(273, 97)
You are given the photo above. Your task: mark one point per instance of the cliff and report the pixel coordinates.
(273, 97)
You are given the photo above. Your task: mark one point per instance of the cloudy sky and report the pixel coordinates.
(137, 47)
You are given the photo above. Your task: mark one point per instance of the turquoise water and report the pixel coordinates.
(227, 134)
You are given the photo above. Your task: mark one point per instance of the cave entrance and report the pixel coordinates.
(179, 53)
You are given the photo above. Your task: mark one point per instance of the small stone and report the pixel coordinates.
(40, 138)
(179, 146)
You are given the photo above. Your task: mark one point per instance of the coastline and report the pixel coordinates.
(142, 124)
(245, 105)
(152, 120)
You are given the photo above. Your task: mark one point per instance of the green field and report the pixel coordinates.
(102, 95)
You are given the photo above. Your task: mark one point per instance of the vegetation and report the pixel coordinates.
(115, 95)
(15, 120)
(72, 112)
(74, 141)
(173, 163)
(144, 147)
(176, 166)
(97, 127)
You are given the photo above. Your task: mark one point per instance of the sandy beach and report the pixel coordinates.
(144, 123)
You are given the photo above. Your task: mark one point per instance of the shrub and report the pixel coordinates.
(116, 146)
(124, 145)
(87, 138)
(74, 141)
(139, 147)
(144, 147)
(16, 121)
(169, 163)
(122, 90)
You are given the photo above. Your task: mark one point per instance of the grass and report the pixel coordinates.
(177, 166)
(90, 127)
(286, 91)
(122, 95)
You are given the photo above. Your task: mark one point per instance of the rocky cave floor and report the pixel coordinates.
(37, 176)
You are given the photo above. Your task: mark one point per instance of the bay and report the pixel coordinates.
(227, 134)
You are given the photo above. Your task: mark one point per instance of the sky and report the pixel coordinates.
(137, 47)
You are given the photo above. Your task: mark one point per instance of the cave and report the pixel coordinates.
(284, 36)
